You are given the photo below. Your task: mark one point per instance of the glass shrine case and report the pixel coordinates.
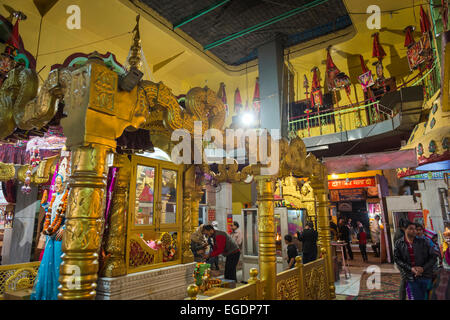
(286, 221)
(154, 214)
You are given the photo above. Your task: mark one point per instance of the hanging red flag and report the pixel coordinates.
(316, 93)
(14, 38)
(315, 81)
(363, 64)
(223, 96)
(237, 101)
(378, 51)
(444, 13)
(409, 37)
(366, 79)
(256, 97)
(332, 71)
(425, 25)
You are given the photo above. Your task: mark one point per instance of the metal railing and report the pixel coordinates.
(18, 271)
(340, 120)
(303, 282)
(355, 116)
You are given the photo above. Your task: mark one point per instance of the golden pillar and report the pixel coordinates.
(195, 204)
(115, 239)
(323, 228)
(266, 230)
(84, 221)
(188, 190)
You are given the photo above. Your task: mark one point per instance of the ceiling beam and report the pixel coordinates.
(199, 14)
(266, 23)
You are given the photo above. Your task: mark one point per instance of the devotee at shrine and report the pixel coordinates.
(226, 246)
(344, 235)
(309, 239)
(236, 234)
(415, 259)
(362, 238)
(375, 232)
(291, 251)
(198, 244)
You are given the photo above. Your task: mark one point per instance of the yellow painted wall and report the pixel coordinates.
(102, 19)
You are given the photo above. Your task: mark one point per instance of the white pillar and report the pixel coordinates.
(224, 200)
(431, 201)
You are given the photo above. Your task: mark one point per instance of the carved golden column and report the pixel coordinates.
(116, 237)
(266, 229)
(195, 204)
(189, 183)
(323, 228)
(84, 221)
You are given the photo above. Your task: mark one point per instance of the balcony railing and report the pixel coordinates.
(355, 116)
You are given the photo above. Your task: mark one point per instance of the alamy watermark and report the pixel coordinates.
(258, 147)
(74, 20)
(74, 280)
(374, 21)
(374, 280)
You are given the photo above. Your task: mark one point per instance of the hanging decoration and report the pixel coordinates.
(223, 96)
(336, 80)
(366, 79)
(256, 98)
(444, 14)
(419, 52)
(379, 53)
(308, 109)
(425, 25)
(316, 92)
(237, 101)
(332, 71)
(14, 51)
(409, 36)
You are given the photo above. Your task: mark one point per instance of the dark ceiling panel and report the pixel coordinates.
(237, 15)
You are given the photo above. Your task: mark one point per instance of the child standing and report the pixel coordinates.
(362, 237)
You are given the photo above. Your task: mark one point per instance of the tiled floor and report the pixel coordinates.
(350, 286)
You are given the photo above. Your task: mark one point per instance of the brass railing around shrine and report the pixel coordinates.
(23, 276)
(303, 282)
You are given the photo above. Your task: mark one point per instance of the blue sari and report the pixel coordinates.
(46, 286)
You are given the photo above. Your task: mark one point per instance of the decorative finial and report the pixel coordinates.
(134, 58)
(298, 261)
(192, 291)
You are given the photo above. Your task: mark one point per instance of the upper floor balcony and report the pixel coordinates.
(383, 120)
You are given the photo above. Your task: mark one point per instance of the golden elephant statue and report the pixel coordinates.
(22, 106)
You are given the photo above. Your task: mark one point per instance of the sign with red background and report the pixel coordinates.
(353, 183)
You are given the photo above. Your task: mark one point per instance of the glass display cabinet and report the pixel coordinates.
(250, 246)
(154, 214)
(287, 221)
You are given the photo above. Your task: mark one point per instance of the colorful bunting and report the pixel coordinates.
(237, 101)
(378, 51)
(256, 98)
(425, 25)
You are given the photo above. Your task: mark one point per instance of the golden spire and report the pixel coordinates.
(134, 58)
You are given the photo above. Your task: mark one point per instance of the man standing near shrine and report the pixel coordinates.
(375, 232)
(415, 260)
(236, 234)
(226, 246)
(344, 235)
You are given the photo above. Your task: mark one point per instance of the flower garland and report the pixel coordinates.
(56, 224)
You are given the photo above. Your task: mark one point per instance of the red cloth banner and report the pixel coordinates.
(229, 222)
(353, 183)
(211, 215)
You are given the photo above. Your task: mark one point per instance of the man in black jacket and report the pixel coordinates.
(415, 259)
(309, 239)
(344, 235)
(399, 234)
